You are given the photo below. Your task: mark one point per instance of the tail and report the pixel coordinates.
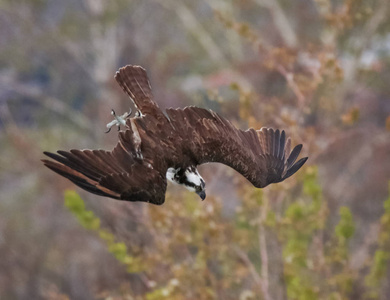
(134, 81)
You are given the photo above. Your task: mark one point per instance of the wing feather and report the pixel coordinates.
(135, 169)
(293, 156)
(80, 179)
(260, 155)
(282, 144)
(116, 174)
(294, 168)
(75, 163)
(276, 143)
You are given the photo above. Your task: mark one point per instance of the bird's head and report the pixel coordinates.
(190, 178)
(194, 182)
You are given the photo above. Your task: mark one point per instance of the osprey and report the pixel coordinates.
(157, 146)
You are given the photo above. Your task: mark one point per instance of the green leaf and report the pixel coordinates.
(346, 227)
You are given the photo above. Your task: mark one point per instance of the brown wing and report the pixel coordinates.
(134, 81)
(118, 174)
(132, 171)
(262, 156)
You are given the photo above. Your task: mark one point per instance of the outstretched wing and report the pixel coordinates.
(262, 156)
(118, 174)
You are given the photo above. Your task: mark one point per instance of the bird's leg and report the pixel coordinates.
(118, 120)
(138, 114)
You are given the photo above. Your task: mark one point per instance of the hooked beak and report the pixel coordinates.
(202, 195)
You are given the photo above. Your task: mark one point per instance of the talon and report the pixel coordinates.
(118, 120)
(129, 113)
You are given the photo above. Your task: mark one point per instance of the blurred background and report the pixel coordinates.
(318, 69)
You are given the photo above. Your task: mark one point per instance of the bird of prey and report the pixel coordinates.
(155, 146)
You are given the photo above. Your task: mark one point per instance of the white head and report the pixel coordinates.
(188, 177)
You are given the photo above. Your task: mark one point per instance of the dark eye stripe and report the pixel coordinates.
(191, 184)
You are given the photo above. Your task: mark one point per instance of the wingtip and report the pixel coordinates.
(299, 147)
(45, 162)
(295, 167)
(302, 161)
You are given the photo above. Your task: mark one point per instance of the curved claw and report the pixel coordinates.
(118, 120)
(129, 113)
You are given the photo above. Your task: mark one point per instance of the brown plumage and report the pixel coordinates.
(135, 170)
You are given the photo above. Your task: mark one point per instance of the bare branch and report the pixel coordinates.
(263, 248)
(281, 22)
(256, 277)
(197, 30)
(51, 103)
(292, 84)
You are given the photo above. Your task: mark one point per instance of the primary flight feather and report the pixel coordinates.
(155, 147)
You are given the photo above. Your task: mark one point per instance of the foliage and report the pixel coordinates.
(301, 221)
(206, 251)
(317, 69)
(379, 265)
(89, 221)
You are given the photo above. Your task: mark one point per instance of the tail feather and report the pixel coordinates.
(134, 82)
